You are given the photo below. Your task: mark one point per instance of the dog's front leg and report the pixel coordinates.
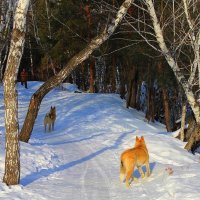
(53, 126)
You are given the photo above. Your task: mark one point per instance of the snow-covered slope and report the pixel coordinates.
(80, 158)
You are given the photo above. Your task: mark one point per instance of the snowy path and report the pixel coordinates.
(80, 159)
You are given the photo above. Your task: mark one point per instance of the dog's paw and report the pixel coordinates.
(143, 176)
(135, 179)
(128, 185)
(147, 174)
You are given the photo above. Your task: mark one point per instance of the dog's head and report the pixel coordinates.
(53, 110)
(139, 141)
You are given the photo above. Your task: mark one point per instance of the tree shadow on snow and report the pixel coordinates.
(69, 141)
(46, 172)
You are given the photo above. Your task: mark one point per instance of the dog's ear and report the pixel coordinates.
(142, 138)
(137, 139)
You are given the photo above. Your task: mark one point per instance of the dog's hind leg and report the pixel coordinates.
(130, 165)
(129, 175)
(122, 172)
(140, 171)
(148, 168)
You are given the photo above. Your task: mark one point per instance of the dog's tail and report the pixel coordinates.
(122, 171)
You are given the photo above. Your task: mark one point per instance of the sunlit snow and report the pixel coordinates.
(80, 158)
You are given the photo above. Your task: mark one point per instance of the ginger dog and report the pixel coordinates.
(137, 156)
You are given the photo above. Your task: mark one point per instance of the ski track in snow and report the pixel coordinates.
(80, 159)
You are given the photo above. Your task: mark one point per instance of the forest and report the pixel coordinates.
(147, 52)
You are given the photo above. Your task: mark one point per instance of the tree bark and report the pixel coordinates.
(12, 160)
(130, 86)
(66, 71)
(132, 90)
(83, 86)
(191, 127)
(183, 115)
(194, 140)
(150, 104)
(166, 109)
(150, 97)
(123, 80)
(92, 76)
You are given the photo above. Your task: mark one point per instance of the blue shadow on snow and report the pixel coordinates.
(46, 172)
(136, 172)
(70, 141)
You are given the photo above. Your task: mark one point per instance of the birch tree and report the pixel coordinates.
(187, 84)
(190, 37)
(175, 36)
(12, 160)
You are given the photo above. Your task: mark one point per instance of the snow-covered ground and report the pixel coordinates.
(80, 158)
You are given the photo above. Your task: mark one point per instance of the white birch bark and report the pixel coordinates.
(12, 160)
(172, 63)
(195, 43)
(183, 115)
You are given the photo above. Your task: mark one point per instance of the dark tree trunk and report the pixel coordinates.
(194, 141)
(150, 104)
(66, 71)
(138, 97)
(166, 109)
(191, 127)
(83, 84)
(132, 90)
(150, 97)
(113, 75)
(130, 86)
(123, 82)
(92, 76)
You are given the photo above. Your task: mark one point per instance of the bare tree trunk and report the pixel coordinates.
(150, 97)
(191, 127)
(12, 160)
(150, 104)
(123, 82)
(92, 75)
(166, 109)
(194, 140)
(83, 86)
(113, 75)
(130, 86)
(183, 115)
(31, 60)
(132, 90)
(37, 97)
(138, 96)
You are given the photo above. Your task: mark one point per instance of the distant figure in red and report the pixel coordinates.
(24, 77)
